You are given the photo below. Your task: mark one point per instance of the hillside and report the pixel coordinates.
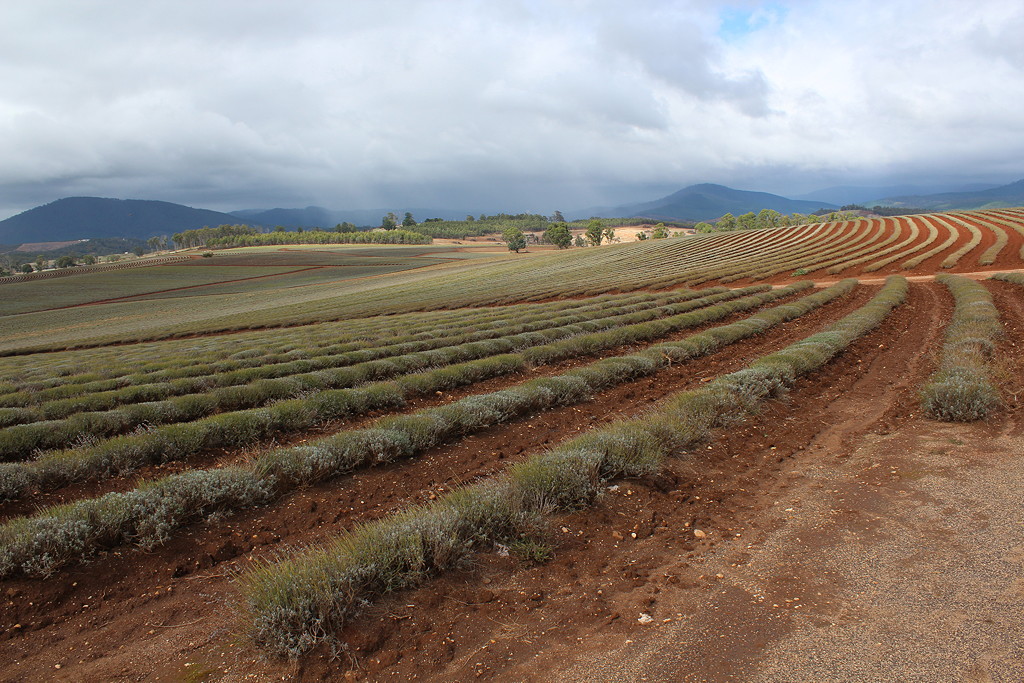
(707, 202)
(921, 244)
(841, 195)
(993, 198)
(74, 218)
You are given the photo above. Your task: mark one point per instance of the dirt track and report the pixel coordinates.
(792, 503)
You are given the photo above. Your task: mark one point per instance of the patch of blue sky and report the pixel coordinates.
(738, 22)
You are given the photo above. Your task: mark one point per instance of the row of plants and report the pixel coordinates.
(148, 514)
(21, 440)
(584, 272)
(826, 241)
(293, 603)
(888, 246)
(60, 402)
(962, 390)
(320, 237)
(952, 237)
(912, 248)
(969, 245)
(1007, 218)
(38, 372)
(42, 377)
(840, 238)
(125, 453)
(174, 358)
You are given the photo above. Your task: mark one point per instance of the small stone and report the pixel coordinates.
(699, 534)
(616, 535)
(645, 618)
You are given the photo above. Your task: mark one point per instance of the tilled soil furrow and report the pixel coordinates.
(165, 583)
(223, 457)
(1008, 359)
(500, 615)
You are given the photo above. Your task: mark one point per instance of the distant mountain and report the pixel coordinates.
(75, 218)
(992, 198)
(708, 202)
(858, 194)
(310, 217)
(319, 217)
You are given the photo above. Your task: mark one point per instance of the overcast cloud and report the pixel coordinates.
(511, 105)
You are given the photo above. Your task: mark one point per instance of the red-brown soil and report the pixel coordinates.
(776, 497)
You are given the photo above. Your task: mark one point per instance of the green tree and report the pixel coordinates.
(770, 218)
(65, 261)
(389, 222)
(279, 228)
(408, 221)
(595, 232)
(470, 218)
(89, 260)
(40, 262)
(726, 222)
(153, 243)
(514, 239)
(641, 236)
(660, 232)
(578, 241)
(609, 234)
(747, 221)
(26, 268)
(557, 217)
(558, 234)
(704, 227)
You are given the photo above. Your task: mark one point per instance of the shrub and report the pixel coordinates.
(961, 390)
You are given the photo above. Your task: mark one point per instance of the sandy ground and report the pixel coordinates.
(900, 561)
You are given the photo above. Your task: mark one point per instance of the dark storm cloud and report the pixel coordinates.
(512, 105)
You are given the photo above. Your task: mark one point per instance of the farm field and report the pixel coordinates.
(779, 449)
(958, 242)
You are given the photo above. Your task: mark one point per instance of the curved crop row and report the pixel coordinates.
(157, 362)
(1008, 220)
(951, 239)
(989, 256)
(19, 441)
(578, 272)
(969, 245)
(305, 373)
(293, 603)
(145, 516)
(174, 442)
(883, 248)
(933, 234)
(961, 390)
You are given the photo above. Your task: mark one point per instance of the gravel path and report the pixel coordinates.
(900, 561)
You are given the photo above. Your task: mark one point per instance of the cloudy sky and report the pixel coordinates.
(500, 104)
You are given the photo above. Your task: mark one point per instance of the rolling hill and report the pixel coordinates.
(706, 202)
(993, 198)
(75, 218)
